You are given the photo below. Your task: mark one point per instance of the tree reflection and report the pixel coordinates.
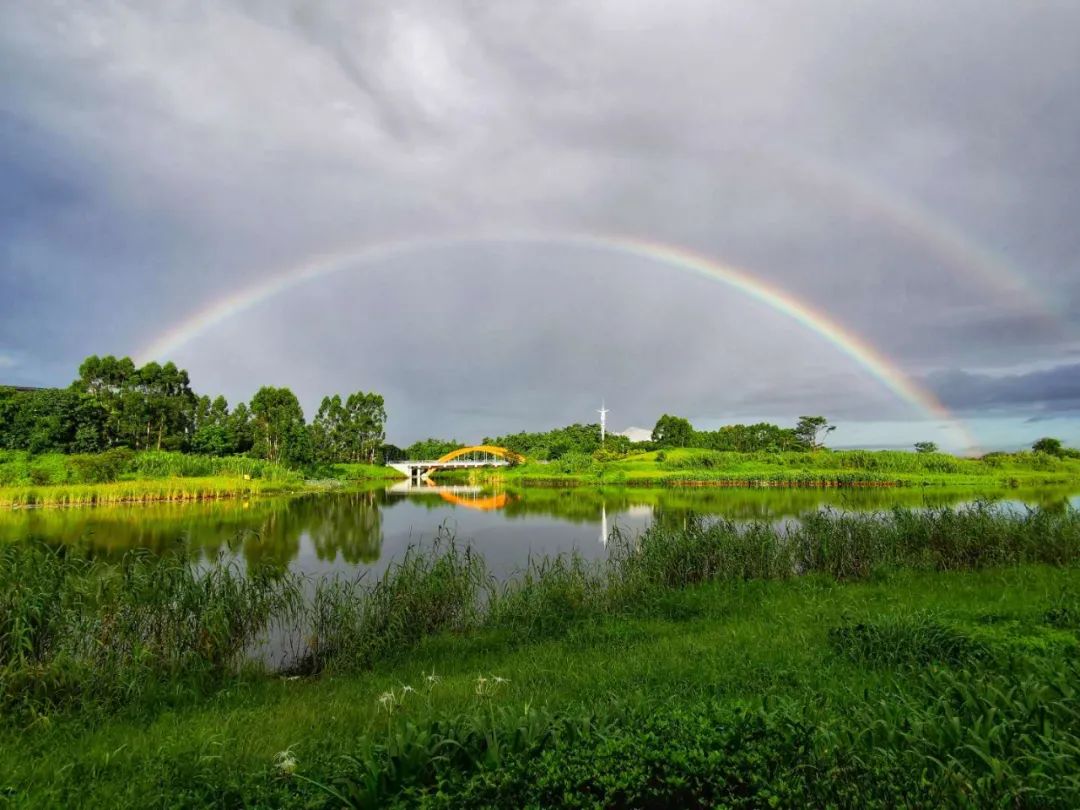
(348, 524)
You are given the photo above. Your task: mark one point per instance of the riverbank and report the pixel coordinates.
(125, 477)
(924, 658)
(688, 467)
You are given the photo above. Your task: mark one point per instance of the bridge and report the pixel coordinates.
(481, 455)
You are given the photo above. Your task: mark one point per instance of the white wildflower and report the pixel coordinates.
(285, 762)
(387, 701)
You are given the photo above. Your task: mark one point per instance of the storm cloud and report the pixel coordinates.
(1052, 390)
(909, 170)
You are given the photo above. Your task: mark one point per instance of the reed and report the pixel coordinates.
(141, 491)
(74, 631)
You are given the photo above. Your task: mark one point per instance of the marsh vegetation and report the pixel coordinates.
(848, 658)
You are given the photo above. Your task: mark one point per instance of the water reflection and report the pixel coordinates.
(364, 530)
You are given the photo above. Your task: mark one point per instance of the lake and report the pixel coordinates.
(349, 532)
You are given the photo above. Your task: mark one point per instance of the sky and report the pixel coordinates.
(432, 197)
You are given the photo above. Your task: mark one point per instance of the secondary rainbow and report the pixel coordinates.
(322, 265)
(928, 228)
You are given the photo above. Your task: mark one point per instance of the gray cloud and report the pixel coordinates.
(881, 162)
(1051, 390)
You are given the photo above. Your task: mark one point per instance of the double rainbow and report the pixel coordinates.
(873, 361)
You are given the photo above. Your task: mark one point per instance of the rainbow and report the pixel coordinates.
(921, 226)
(322, 265)
(929, 229)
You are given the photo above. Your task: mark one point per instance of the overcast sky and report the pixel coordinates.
(909, 169)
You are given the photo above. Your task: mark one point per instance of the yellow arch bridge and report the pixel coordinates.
(481, 455)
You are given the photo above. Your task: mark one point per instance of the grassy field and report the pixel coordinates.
(363, 472)
(848, 468)
(920, 659)
(165, 489)
(122, 476)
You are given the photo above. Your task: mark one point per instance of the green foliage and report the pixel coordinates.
(672, 431)
(101, 468)
(446, 588)
(687, 756)
(732, 693)
(278, 424)
(748, 439)
(73, 633)
(121, 464)
(554, 444)
(430, 449)
(1065, 612)
(811, 431)
(926, 447)
(1052, 447)
(574, 462)
(349, 431)
(913, 640)
(113, 404)
(950, 738)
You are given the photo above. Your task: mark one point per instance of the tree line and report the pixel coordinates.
(114, 404)
(808, 434)
(669, 432)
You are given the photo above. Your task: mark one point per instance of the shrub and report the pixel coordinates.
(102, 468)
(906, 640)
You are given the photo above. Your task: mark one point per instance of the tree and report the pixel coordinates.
(809, 428)
(327, 431)
(673, 431)
(925, 447)
(352, 430)
(1052, 447)
(431, 449)
(167, 405)
(212, 433)
(364, 426)
(279, 432)
(107, 381)
(241, 429)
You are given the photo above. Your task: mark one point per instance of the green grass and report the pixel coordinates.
(167, 489)
(748, 675)
(122, 476)
(363, 472)
(690, 467)
(900, 658)
(18, 468)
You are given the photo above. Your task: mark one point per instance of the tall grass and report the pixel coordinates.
(75, 633)
(887, 462)
(169, 489)
(20, 469)
(73, 630)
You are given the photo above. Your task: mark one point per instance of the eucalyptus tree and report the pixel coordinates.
(278, 419)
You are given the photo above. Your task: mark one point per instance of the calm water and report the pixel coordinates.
(320, 534)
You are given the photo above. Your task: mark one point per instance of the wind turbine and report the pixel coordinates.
(603, 420)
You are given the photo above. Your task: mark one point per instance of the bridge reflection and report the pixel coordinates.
(469, 497)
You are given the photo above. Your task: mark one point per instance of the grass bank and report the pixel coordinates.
(860, 660)
(154, 490)
(826, 468)
(123, 476)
